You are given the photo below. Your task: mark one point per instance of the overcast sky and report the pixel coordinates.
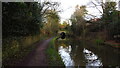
(68, 8)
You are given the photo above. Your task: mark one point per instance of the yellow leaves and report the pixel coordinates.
(63, 45)
(80, 11)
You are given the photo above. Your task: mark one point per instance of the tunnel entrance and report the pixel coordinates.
(62, 34)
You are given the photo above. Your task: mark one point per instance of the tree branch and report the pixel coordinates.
(97, 7)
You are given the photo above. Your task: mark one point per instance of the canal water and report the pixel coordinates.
(74, 53)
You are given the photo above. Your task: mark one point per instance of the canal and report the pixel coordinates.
(75, 53)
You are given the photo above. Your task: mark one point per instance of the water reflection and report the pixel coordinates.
(65, 55)
(74, 53)
(92, 59)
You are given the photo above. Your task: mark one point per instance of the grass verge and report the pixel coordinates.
(53, 57)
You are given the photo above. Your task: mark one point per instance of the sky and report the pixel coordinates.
(68, 8)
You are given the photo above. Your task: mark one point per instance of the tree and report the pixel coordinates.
(107, 11)
(51, 26)
(20, 19)
(113, 27)
(24, 18)
(78, 21)
(110, 19)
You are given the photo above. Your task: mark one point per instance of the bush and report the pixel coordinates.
(15, 49)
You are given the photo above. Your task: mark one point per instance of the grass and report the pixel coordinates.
(53, 57)
(14, 50)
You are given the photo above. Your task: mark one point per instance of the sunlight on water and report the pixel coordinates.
(92, 59)
(65, 55)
